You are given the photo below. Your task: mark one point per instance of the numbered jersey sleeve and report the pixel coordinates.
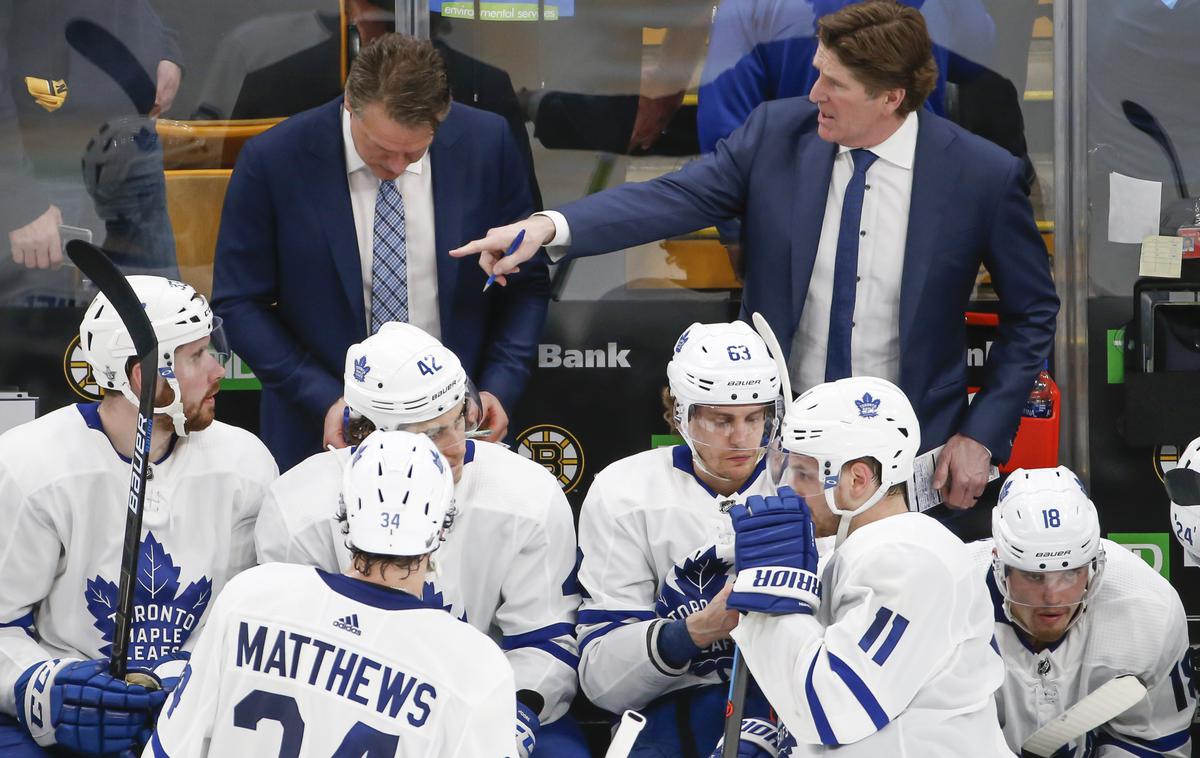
(895, 611)
(539, 601)
(619, 665)
(1154, 637)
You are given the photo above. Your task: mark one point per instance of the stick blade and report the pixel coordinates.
(97, 266)
(1104, 704)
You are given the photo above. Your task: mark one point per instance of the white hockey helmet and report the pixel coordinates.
(722, 364)
(398, 494)
(178, 314)
(837, 422)
(401, 375)
(1044, 523)
(1183, 487)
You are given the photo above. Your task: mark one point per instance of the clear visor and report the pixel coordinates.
(1047, 589)
(451, 430)
(732, 428)
(801, 472)
(218, 343)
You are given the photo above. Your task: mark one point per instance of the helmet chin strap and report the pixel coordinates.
(174, 409)
(848, 516)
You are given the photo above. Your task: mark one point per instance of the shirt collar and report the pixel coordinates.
(900, 149)
(354, 161)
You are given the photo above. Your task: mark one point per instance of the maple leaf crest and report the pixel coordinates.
(161, 612)
(433, 597)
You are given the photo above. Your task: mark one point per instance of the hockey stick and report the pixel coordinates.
(96, 266)
(1104, 704)
(627, 733)
(735, 705)
(113, 57)
(740, 676)
(1144, 121)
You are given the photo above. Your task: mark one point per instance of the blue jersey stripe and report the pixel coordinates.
(881, 619)
(538, 635)
(899, 624)
(25, 621)
(156, 748)
(1160, 745)
(824, 730)
(860, 690)
(599, 617)
(596, 634)
(555, 650)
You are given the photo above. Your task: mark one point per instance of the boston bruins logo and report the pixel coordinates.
(1166, 457)
(557, 450)
(78, 373)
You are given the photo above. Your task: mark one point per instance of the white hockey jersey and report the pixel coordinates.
(63, 490)
(507, 567)
(897, 661)
(642, 516)
(1133, 624)
(299, 662)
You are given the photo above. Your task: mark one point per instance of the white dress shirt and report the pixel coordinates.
(416, 189)
(875, 337)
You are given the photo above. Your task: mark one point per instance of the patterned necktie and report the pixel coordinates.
(389, 263)
(845, 270)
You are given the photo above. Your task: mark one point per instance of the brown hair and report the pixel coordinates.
(403, 74)
(886, 46)
(877, 471)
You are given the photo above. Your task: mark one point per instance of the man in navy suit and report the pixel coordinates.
(865, 220)
(339, 219)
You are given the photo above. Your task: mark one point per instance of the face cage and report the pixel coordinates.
(1095, 576)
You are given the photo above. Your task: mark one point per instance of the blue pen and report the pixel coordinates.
(511, 249)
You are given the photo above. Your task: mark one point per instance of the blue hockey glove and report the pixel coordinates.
(528, 725)
(688, 588)
(78, 705)
(759, 739)
(775, 554)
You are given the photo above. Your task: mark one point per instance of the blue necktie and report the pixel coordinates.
(389, 262)
(845, 270)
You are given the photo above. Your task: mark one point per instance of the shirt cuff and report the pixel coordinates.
(562, 234)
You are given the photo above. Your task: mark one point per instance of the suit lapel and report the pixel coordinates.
(814, 168)
(935, 180)
(449, 180)
(330, 193)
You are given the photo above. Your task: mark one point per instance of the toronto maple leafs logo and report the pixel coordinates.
(163, 617)
(689, 587)
(1004, 490)
(868, 407)
(432, 595)
(361, 369)
(683, 338)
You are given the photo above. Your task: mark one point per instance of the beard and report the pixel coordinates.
(197, 416)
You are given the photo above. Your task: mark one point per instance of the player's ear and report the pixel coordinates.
(135, 378)
(862, 478)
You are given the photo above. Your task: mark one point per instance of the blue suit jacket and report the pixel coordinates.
(287, 278)
(969, 206)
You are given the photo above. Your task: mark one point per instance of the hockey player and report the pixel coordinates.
(64, 481)
(1072, 612)
(508, 567)
(656, 539)
(887, 653)
(300, 662)
(1184, 490)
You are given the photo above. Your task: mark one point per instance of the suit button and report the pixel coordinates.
(867, 187)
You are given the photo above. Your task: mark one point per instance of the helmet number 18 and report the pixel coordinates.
(1050, 518)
